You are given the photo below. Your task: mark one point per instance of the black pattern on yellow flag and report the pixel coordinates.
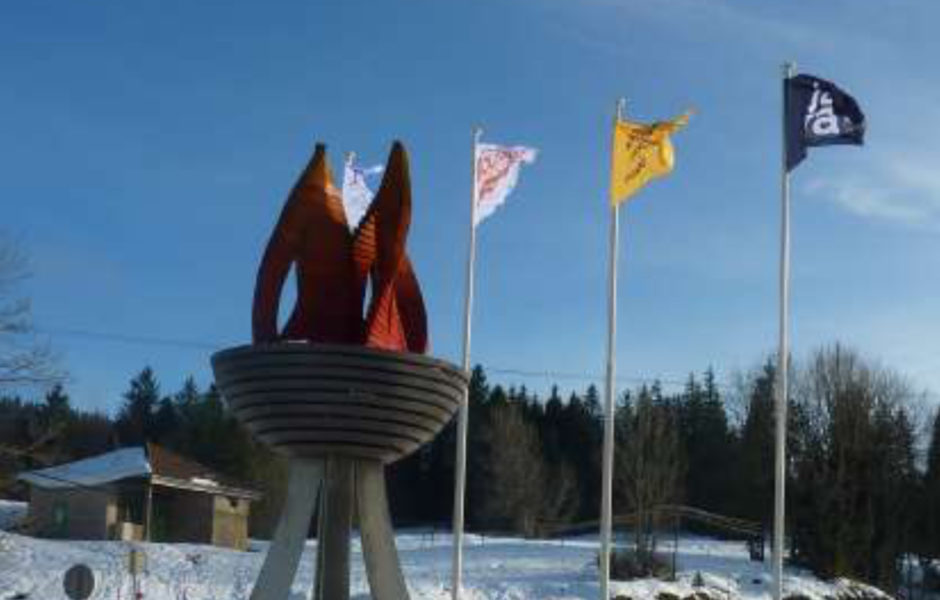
(640, 153)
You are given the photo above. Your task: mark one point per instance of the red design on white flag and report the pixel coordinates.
(497, 174)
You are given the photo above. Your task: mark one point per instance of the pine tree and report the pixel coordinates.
(188, 396)
(756, 454)
(497, 397)
(51, 426)
(58, 408)
(708, 449)
(930, 504)
(88, 434)
(135, 422)
(166, 422)
(592, 403)
(479, 395)
(580, 434)
(551, 437)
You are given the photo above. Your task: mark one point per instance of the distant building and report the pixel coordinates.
(138, 493)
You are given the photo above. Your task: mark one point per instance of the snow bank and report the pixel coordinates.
(496, 569)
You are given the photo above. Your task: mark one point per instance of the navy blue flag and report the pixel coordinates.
(818, 113)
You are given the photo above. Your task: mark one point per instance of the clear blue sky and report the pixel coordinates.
(146, 150)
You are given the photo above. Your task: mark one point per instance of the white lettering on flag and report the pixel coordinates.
(497, 174)
(820, 117)
(357, 195)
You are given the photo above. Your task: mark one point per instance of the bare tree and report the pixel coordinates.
(24, 359)
(515, 471)
(648, 463)
(853, 448)
(560, 493)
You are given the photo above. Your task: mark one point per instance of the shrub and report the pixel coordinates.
(626, 565)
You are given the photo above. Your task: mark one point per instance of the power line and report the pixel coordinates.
(548, 375)
(562, 375)
(145, 340)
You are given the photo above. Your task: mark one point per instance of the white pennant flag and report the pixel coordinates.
(357, 196)
(497, 174)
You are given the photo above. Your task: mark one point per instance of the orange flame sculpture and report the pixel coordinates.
(334, 266)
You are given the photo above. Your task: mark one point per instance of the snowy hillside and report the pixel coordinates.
(496, 568)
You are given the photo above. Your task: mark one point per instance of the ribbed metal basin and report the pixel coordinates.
(314, 400)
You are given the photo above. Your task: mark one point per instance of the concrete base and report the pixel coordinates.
(378, 538)
(280, 564)
(339, 413)
(336, 508)
(343, 483)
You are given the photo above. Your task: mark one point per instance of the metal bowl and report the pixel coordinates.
(315, 400)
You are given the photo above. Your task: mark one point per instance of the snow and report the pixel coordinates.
(104, 468)
(204, 481)
(11, 513)
(498, 568)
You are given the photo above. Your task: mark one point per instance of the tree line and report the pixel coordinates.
(863, 469)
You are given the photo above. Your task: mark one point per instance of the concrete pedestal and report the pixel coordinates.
(344, 484)
(340, 413)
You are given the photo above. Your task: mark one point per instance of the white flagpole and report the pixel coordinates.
(463, 416)
(609, 391)
(780, 390)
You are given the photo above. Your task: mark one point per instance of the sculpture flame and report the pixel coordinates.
(357, 396)
(333, 266)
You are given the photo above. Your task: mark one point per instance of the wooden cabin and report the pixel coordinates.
(139, 493)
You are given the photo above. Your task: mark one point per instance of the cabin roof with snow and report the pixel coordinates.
(156, 463)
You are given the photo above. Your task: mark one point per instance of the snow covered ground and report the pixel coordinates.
(11, 513)
(496, 568)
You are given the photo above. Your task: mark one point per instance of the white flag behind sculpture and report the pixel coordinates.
(356, 192)
(497, 171)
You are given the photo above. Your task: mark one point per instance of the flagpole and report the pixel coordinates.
(608, 450)
(780, 390)
(463, 416)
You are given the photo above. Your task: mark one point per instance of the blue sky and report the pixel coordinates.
(147, 149)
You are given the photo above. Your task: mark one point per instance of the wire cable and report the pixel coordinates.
(146, 340)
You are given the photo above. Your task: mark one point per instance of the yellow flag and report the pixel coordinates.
(641, 153)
